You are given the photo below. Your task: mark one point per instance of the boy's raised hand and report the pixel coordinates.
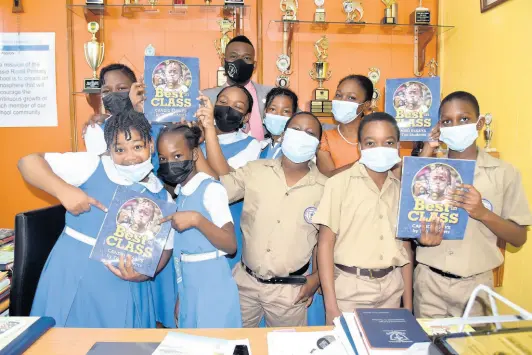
(434, 136)
(433, 235)
(76, 201)
(137, 95)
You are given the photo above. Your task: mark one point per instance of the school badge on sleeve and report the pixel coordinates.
(487, 204)
(309, 213)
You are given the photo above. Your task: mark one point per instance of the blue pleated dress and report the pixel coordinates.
(208, 295)
(79, 292)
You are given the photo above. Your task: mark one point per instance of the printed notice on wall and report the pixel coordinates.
(27, 80)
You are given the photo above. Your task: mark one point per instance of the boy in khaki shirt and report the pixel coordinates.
(279, 238)
(360, 262)
(448, 273)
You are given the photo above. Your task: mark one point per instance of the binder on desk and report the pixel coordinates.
(17, 334)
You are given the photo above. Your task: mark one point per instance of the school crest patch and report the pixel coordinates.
(487, 204)
(309, 213)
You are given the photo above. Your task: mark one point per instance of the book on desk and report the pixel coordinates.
(17, 334)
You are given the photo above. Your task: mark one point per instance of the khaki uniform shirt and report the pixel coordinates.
(363, 218)
(277, 229)
(502, 192)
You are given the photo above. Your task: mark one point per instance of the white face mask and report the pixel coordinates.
(459, 138)
(345, 111)
(136, 172)
(379, 159)
(275, 124)
(299, 146)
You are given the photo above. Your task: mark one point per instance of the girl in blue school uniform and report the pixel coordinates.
(232, 111)
(73, 289)
(281, 104)
(208, 295)
(120, 92)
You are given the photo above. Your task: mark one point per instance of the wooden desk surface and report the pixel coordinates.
(69, 341)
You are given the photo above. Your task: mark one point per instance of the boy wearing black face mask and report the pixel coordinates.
(239, 66)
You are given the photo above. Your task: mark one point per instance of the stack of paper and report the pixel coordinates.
(304, 343)
(184, 344)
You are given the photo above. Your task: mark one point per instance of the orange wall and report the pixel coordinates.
(192, 34)
(15, 195)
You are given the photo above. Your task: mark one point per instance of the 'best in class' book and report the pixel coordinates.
(172, 88)
(131, 227)
(426, 185)
(414, 102)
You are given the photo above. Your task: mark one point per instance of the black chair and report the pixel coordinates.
(35, 235)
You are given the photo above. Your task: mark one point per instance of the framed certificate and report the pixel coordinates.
(486, 5)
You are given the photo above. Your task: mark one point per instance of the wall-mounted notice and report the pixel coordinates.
(27, 80)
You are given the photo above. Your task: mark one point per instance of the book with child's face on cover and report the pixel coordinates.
(414, 103)
(172, 88)
(426, 188)
(131, 227)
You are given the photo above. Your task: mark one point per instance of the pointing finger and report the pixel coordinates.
(97, 204)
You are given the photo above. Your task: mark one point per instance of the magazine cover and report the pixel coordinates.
(425, 187)
(131, 228)
(172, 88)
(414, 102)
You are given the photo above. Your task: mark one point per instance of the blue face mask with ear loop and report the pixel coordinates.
(275, 124)
(459, 138)
(379, 159)
(345, 111)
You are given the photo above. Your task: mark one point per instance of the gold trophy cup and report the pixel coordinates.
(390, 13)
(321, 73)
(94, 52)
(226, 26)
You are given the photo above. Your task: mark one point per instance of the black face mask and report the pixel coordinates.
(174, 173)
(117, 102)
(239, 71)
(227, 118)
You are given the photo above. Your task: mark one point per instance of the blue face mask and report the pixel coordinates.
(275, 124)
(459, 138)
(136, 172)
(299, 146)
(379, 159)
(345, 111)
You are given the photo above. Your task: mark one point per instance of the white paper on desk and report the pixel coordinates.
(304, 343)
(184, 344)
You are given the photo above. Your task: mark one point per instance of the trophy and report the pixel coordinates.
(390, 13)
(152, 3)
(354, 11)
(321, 73)
(94, 52)
(149, 51)
(433, 68)
(319, 15)
(226, 26)
(17, 7)
(283, 65)
(94, 2)
(374, 75)
(421, 15)
(233, 3)
(488, 133)
(289, 9)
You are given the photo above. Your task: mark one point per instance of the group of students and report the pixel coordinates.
(288, 230)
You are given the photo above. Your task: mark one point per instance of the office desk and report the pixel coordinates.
(69, 341)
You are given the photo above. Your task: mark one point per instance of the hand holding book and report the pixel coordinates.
(137, 95)
(125, 271)
(468, 198)
(432, 235)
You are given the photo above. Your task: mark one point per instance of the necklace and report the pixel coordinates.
(341, 135)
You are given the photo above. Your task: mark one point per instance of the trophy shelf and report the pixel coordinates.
(359, 27)
(89, 12)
